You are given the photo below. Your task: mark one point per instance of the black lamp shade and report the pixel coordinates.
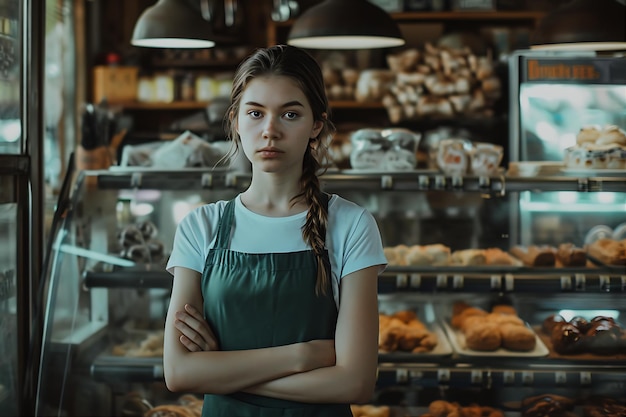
(345, 24)
(583, 25)
(172, 24)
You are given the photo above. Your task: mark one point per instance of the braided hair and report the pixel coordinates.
(299, 65)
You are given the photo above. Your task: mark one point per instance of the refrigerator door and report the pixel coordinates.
(21, 191)
(8, 306)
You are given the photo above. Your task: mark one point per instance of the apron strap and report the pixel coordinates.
(224, 227)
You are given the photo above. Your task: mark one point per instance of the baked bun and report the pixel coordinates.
(517, 338)
(612, 134)
(483, 337)
(588, 134)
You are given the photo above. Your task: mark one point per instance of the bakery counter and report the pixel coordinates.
(116, 369)
(506, 279)
(128, 278)
(351, 179)
(436, 279)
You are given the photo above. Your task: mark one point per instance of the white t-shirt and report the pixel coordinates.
(352, 238)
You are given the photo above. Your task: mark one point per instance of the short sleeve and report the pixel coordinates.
(363, 246)
(193, 238)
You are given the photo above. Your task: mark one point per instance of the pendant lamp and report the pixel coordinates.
(592, 25)
(173, 24)
(345, 24)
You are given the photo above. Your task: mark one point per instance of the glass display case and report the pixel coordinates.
(109, 291)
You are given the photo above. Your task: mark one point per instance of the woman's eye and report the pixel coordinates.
(255, 114)
(291, 115)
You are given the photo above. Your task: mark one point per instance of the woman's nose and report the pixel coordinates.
(270, 129)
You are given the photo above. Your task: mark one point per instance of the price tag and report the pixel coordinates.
(402, 375)
(442, 280)
(508, 377)
(580, 282)
(585, 378)
(560, 378)
(566, 283)
(415, 280)
(605, 283)
(443, 375)
(402, 281)
(496, 282)
(477, 377)
(386, 182)
(440, 182)
(509, 282)
(207, 180)
(457, 281)
(527, 378)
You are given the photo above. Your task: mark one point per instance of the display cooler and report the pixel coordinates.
(561, 104)
(108, 291)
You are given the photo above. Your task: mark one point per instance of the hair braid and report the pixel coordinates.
(314, 229)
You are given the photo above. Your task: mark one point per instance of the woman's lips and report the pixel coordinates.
(269, 152)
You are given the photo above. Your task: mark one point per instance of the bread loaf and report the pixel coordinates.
(608, 251)
(570, 255)
(534, 255)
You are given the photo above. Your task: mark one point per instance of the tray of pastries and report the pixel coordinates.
(408, 332)
(583, 337)
(474, 331)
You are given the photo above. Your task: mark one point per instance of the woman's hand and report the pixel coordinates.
(196, 336)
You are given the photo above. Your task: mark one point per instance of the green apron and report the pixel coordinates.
(255, 301)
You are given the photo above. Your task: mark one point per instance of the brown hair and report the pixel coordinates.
(299, 65)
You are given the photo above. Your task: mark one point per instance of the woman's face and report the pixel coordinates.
(275, 123)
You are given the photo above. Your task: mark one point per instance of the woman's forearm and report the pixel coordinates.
(223, 372)
(347, 386)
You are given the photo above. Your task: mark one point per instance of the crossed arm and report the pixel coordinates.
(339, 371)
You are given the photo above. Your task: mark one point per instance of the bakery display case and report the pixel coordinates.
(453, 284)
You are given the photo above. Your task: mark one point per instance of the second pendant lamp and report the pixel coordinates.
(345, 24)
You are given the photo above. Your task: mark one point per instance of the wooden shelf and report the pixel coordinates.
(349, 104)
(451, 15)
(193, 105)
(468, 15)
(175, 105)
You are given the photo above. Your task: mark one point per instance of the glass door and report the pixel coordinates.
(21, 191)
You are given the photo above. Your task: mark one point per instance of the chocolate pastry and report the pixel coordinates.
(137, 253)
(129, 236)
(566, 338)
(581, 323)
(147, 229)
(155, 247)
(551, 321)
(547, 405)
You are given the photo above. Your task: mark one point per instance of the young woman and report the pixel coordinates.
(274, 302)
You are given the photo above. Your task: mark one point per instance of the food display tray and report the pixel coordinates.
(442, 349)
(457, 340)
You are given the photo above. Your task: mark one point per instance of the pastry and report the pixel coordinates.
(504, 309)
(547, 405)
(611, 134)
(496, 256)
(552, 321)
(469, 257)
(608, 251)
(483, 337)
(129, 236)
(517, 338)
(534, 255)
(588, 134)
(567, 254)
(458, 319)
(137, 253)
